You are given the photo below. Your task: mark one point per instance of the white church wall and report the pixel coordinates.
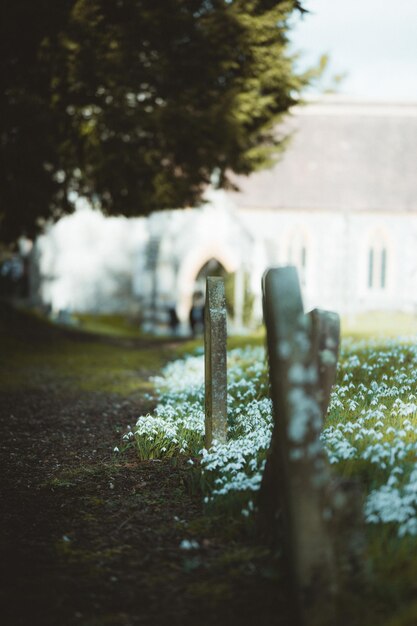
(306, 240)
(89, 262)
(314, 209)
(337, 247)
(408, 247)
(85, 261)
(329, 288)
(188, 240)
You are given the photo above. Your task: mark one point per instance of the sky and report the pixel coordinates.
(373, 41)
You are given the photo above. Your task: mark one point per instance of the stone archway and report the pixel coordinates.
(212, 268)
(191, 267)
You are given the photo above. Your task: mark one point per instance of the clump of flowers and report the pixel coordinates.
(371, 428)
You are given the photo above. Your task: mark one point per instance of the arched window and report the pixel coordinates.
(377, 263)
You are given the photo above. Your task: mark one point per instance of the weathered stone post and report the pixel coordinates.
(215, 340)
(325, 341)
(297, 475)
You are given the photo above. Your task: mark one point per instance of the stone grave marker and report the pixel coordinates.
(215, 341)
(297, 474)
(325, 341)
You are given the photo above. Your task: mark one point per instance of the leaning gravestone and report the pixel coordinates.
(215, 340)
(325, 340)
(297, 475)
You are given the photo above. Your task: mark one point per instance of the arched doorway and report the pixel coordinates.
(239, 299)
(194, 269)
(212, 267)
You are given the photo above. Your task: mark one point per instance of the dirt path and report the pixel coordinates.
(89, 537)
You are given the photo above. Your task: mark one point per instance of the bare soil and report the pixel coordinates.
(89, 537)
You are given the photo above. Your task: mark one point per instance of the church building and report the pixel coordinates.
(340, 204)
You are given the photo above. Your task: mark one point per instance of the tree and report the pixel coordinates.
(136, 103)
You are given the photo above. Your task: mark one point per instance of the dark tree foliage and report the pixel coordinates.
(135, 103)
(30, 128)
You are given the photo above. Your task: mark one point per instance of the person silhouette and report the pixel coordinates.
(196, 317)
(173, 319)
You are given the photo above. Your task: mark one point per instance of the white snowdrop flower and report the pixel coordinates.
(383, 432)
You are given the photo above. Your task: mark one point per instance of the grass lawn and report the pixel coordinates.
(89, 357)
(370, 433)
(374, 324)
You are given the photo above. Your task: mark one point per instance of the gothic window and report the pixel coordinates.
(377, 264)
(383, 277)
(298, 254)
(371, 268)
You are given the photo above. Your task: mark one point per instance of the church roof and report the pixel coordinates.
(341, 156)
